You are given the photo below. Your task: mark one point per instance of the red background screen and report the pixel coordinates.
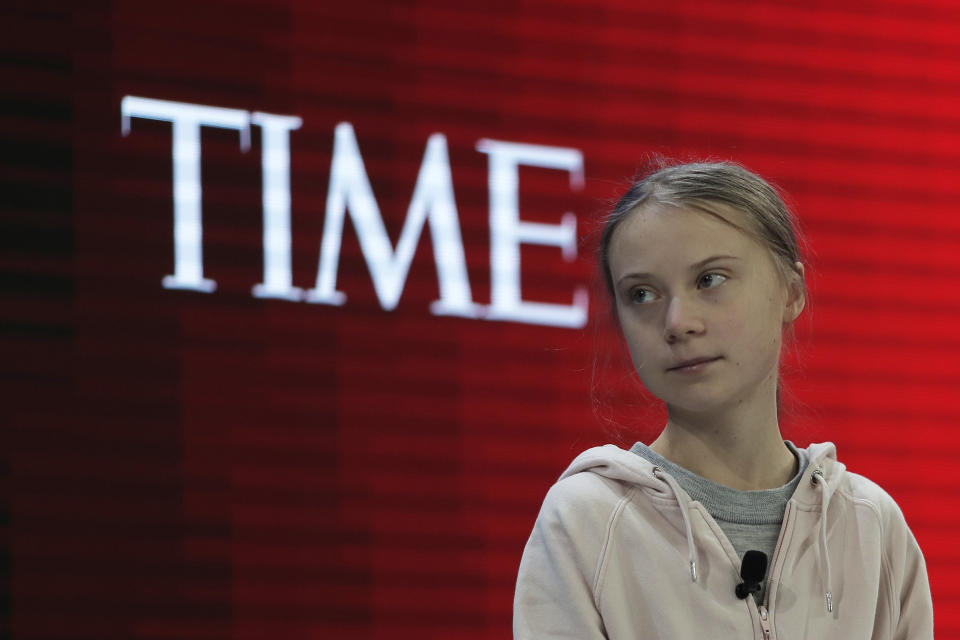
(213, 464)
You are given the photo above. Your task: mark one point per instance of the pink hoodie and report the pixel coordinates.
(620, 551)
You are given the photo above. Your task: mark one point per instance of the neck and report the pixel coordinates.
(740, 447)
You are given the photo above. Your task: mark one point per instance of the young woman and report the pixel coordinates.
(704, 271)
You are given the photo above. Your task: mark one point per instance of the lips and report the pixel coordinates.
(687, 365)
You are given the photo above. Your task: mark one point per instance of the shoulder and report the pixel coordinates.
(865, 492)
(573, 527)
(853, 489)
(584, 497)
(597, 481)
(590, 500)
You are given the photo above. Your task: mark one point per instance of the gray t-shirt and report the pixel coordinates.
(750, 519)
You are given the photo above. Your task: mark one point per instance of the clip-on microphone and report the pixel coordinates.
(752, 570)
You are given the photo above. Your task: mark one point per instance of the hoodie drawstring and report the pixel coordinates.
(817, 480)
(691, 547)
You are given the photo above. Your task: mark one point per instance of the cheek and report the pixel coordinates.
(636, 345)
(639, 339)
(761, 335)
(753, 331)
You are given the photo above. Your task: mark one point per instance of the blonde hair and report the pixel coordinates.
(703, 186)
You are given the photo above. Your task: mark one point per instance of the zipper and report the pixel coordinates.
(765, 622)
(762, 609)
(766, 625)
(778, 551)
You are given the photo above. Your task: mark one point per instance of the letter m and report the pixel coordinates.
(432, 201)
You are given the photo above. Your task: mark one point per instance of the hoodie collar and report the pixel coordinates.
(610, 461)
(817, 484)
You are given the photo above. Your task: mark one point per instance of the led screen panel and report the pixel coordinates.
(301, 319)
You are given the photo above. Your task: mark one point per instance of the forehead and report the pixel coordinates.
(664, 236)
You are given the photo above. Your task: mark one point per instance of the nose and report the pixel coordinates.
(683, 320)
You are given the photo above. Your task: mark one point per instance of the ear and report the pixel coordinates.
(796, 294)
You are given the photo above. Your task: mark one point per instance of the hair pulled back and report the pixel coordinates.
(702, 186)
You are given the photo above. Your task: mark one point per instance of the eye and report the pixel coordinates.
(642, 295)
(710, 280)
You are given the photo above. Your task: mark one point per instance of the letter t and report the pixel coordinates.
(187, 119)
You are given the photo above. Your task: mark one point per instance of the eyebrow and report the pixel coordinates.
(694, 267)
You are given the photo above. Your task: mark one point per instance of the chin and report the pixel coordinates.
(704, 408)
(700, 403)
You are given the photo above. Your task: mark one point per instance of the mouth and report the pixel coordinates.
(694, 365)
